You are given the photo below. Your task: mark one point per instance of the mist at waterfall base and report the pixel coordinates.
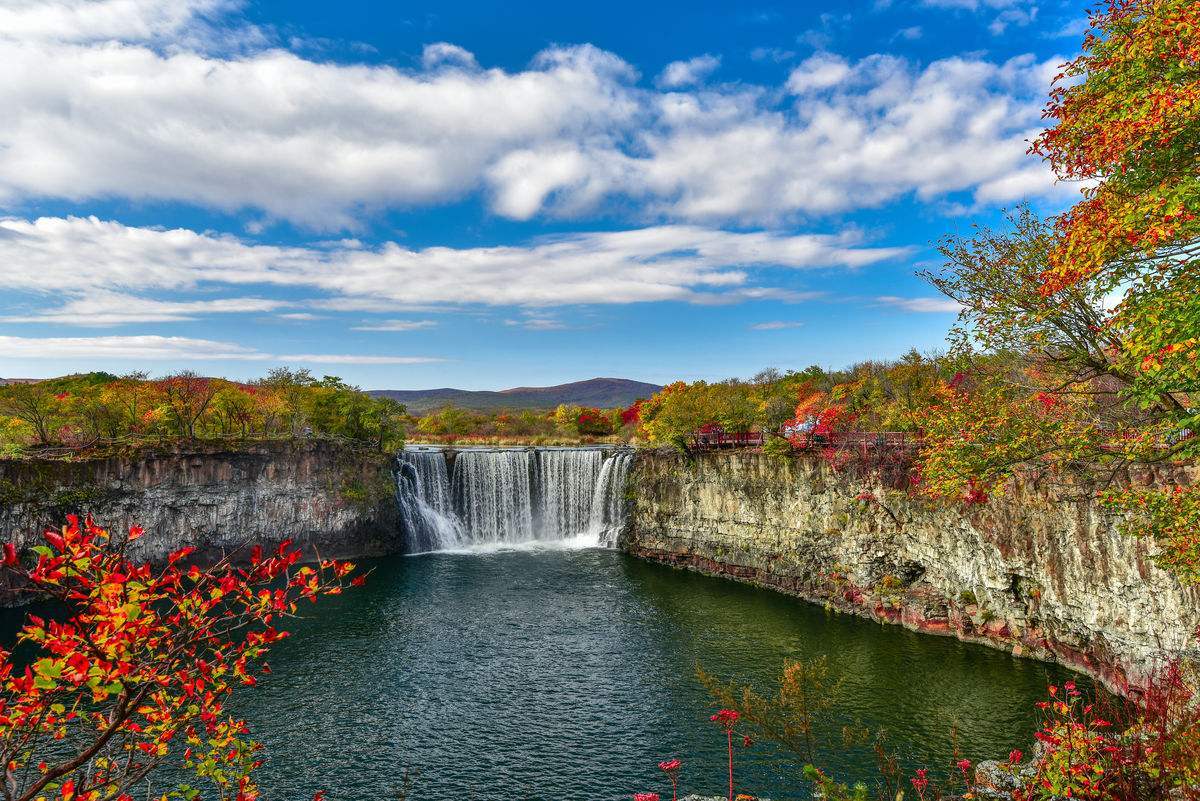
(500, 498)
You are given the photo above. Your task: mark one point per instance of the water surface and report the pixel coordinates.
(569, 674)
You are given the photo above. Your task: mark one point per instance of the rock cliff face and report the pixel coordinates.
(327, 498)
(1043, 578)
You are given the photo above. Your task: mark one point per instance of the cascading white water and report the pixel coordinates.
(426, 507)
(512, 496)
(566, 481)
(493, 495)
(608, 501)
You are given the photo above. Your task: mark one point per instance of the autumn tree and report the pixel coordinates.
(290, 389)
(187, 398)
(1104, 301)
(793, 714)
(139, 673)
(1127, 121)
(35, 404)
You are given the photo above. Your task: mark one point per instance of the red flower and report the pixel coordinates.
(645, 797)
(919, 783)
(10, 555)
(726, 718)
(670, 765)
(1014, 756)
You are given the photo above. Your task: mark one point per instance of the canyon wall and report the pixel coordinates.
(329, 498)
(1044, 578)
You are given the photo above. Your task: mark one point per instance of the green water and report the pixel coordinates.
(570, 675)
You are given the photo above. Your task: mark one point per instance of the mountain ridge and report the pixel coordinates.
(598, 392)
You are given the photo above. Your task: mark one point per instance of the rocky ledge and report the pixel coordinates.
(1039, 577)
(329, 498)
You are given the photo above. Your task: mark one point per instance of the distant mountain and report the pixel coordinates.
(598, 392)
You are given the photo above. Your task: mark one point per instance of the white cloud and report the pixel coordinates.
(776, 325)
(1012, 16)
(104, 308)
(300, 140)
(100, 20)
(775, 54)
(817, 72)
(537, 321)
(931, 305)
(443, 54)
(124, 347)
(77, 257)
(678, 74)
(909, 34)
(149, 116)
(1011, 12)
(156, 348)
(397, 325)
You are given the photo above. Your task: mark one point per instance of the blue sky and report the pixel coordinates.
(482, 195)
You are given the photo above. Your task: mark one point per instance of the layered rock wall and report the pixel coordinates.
(328, 498)
(1041, 577)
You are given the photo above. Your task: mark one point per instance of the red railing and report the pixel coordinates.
(723, 439)
(856, 440)
(864, 441)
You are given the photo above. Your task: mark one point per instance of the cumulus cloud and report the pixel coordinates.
(78, 257)
(96, 107)
(687, 73)
(932, 305)
(443, 54)
(818, 71)
(101, 20)
(156, 348)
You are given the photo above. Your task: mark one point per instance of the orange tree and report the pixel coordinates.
(1098, 310)
(137, 676)
(1128, 122)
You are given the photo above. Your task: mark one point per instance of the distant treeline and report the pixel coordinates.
(93, 409)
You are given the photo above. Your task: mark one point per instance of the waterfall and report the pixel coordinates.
(566, 481)
(512, 496)
(608, 501)
(493, 495)
(424, 500)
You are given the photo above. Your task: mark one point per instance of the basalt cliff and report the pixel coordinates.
(1041, 577)
(330, 499)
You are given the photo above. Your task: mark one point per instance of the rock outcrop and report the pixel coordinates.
(1044, 578)
(329, 498)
